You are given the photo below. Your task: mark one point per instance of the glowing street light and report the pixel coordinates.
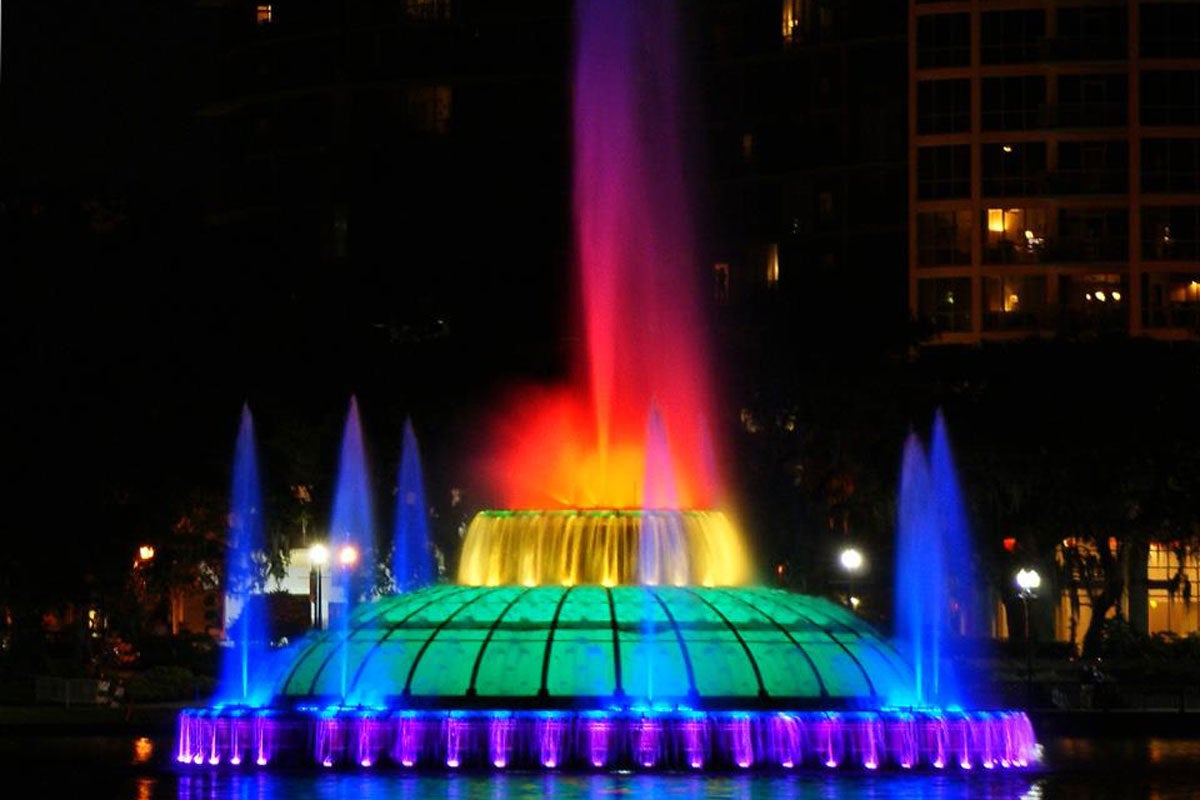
(348, 555)
(1028, 581)
(318, 556)
(851, 560)
(146, 553)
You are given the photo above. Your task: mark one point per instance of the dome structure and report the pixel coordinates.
(554, 668)
(591, 646)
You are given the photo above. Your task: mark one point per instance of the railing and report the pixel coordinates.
(68, 691)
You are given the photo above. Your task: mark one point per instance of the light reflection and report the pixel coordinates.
(143, 750)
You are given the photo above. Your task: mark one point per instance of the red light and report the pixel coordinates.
(1010, 543)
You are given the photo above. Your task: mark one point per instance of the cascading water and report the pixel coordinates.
(412, 564)
(247, 632)
(351, 533)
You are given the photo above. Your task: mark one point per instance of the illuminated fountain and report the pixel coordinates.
(606, 617)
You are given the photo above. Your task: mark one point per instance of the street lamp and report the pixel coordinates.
(852, 561)
(318, 556)
(1028, 581)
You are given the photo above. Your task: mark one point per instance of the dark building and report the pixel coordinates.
(1054, 168)
(401, 162)
(806, 103)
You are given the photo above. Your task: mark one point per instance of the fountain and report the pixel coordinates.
(246, 644)
(352, 533)
(412, 565)
(605, 617)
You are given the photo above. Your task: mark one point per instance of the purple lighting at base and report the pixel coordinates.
(668, 740)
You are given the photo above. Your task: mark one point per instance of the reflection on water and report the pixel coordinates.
(143, 750)
(129, 768)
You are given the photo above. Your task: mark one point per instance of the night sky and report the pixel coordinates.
(134, 334)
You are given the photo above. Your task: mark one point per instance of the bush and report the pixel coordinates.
(165, 684)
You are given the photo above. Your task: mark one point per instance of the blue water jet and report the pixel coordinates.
(246, 634)
(957, 546)
(412, 563)
(933, 557)
(351, 532)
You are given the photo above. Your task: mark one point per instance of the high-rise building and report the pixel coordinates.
(806, 104)
(1054, 168)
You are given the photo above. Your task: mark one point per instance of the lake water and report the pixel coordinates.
(122, 768)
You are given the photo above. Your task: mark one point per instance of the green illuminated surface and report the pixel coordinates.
(553, 646)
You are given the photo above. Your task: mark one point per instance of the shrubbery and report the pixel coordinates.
(166, 684)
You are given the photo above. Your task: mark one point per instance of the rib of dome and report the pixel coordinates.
(593, 647)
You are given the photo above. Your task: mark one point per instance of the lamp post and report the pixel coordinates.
(1028, 581)
(852, 561)
(318, 556)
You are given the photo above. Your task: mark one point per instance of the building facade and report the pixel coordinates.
(1054, 168)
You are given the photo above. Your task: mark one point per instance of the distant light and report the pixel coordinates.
(1087, 296)
(348, 555)
(854, 601)
(851, 559)
(1007, 148)
(1028, 580)
(1010, 543)
(1101, 296)
(145, 552)
(318, 554)
(262, 13)
(1116, 296)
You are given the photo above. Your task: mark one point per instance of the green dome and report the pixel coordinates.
(453, 646)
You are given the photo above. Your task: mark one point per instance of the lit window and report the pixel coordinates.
(431, 10)
(772, 265)
(262, 13)
(428, 108)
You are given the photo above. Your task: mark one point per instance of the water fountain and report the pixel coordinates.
(412, 564)
(246, 644)
(605, 618)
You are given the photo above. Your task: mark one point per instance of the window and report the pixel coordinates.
(945, 303)
(262, 13)
(1170, 98)
(1086, 234)
(1092, 101)
(1014, 169)
(1172, 300)
(1171, 233)
(1170, 30)
(943, 238)
(943, 172)
(1092, 33)
(1015, 236)
(1013, 302)
(429, 10)
(772, 265)
(944, 106)
(1012, 37)
(1011, 104)
(427, 108)
(1092, 168)
(1171, 165)
(943, 40)
(807, 21)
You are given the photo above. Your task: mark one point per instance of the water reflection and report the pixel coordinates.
(108, 766)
